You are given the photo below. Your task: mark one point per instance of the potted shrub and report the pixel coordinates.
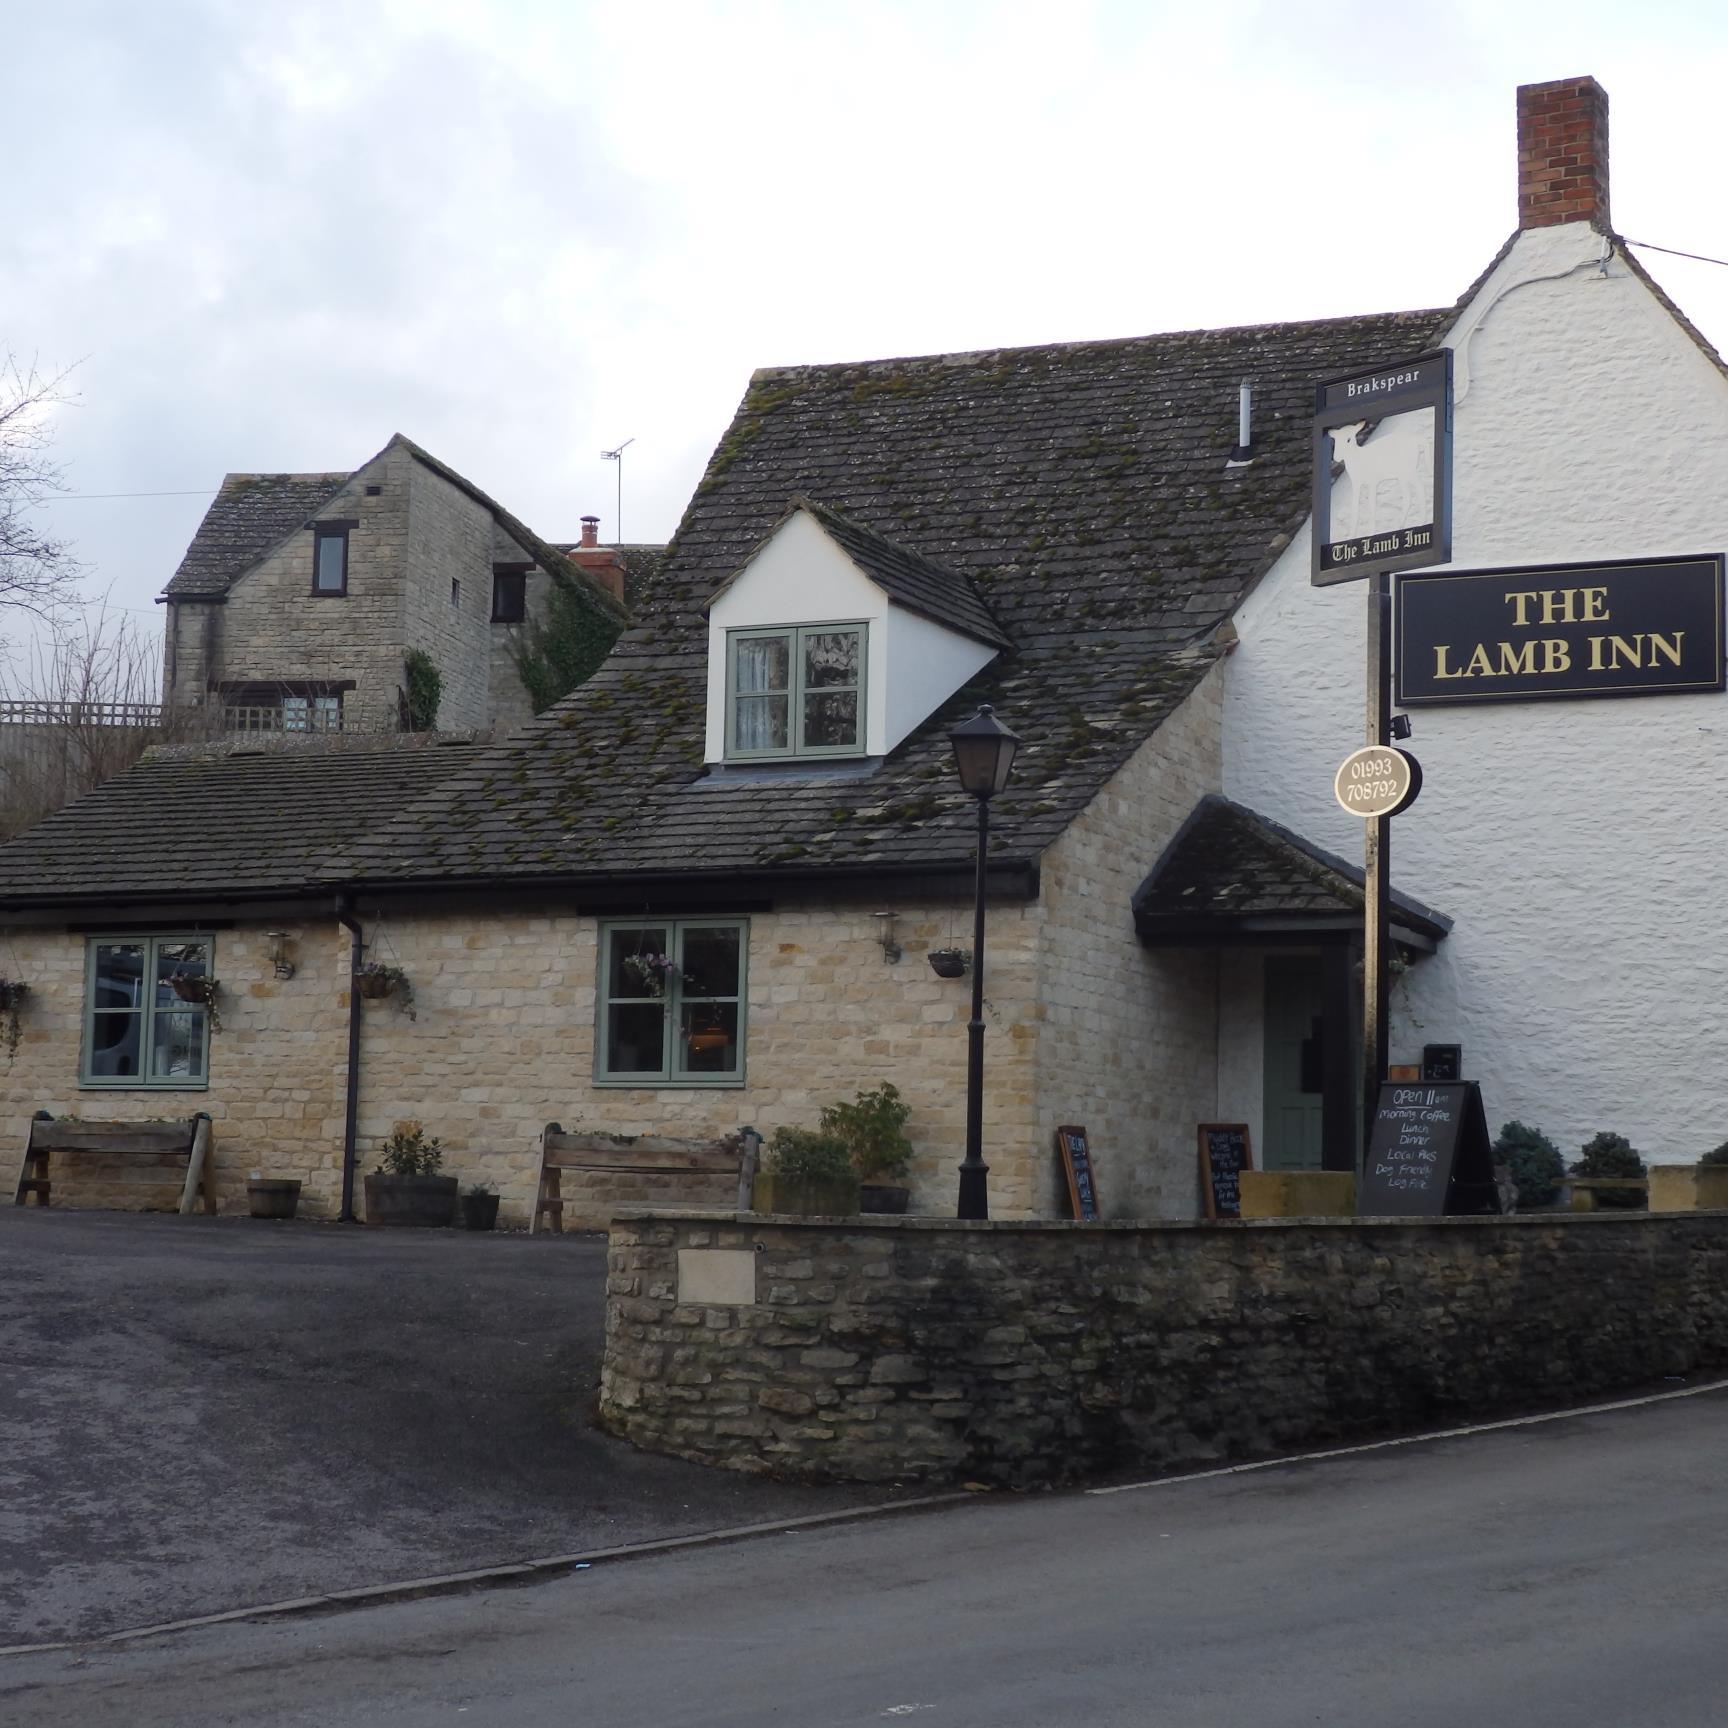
(1611, 1155)
(479, 1206)
(406, 1187)
(808, 1173)
(376, 981)
(272, 1196)
(872, 1128)
(12, 994)
(1535, 1162)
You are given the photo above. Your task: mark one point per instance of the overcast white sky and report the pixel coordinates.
(521, 231)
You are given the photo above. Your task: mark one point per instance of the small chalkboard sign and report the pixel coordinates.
(1429, 1154)
(1442, 1062)
(1076, 1160)
(1225, 1152)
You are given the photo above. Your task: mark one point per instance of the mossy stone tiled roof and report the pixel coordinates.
(1085, 491)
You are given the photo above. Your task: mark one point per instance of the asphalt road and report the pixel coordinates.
(1564, 1575)
(203, 1414)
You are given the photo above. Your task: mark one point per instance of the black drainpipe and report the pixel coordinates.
(345, 917)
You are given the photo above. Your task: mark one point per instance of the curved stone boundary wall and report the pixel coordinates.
(904, 1349)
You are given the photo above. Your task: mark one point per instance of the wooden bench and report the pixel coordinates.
(188, 1139)
(643, 1155)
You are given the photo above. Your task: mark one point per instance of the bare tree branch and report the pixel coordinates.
(37, 569)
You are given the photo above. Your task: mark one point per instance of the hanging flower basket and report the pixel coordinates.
(651, 972)
(12, 994)
(200, 990)
(375, 981)
(949, 962)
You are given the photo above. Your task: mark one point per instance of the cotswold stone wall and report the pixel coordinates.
(502, 1042)
(1035, 1353)
(273, 627)
(277, 1071)
(1127, 1042)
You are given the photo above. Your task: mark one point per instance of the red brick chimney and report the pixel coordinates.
(604, 563)
(1562, 153)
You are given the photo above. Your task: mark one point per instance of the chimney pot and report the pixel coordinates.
(590, 531)
(1562, 153)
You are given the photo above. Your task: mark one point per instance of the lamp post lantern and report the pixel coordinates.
(984, 755)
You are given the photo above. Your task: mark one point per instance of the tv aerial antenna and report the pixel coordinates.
(618, 457)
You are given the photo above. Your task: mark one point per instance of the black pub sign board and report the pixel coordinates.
(1640, 627)
(1429, 1153)
(1383, 470)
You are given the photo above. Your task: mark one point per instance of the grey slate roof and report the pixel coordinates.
(914, 582)
(1229, 869)
(239, 818)
(1082, 487)
(248, 515)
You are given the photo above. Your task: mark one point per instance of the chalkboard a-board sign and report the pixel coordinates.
(1429, 1154)
(1225, 1152)
(1076, 1157)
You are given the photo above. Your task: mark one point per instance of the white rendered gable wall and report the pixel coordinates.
(802, 577)
(1579, 845)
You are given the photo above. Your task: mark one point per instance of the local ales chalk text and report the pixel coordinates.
(1584, 630)
(1417, 1115)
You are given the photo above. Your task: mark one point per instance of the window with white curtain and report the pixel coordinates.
(795, 690)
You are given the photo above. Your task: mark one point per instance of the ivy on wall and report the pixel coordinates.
(557, 652)
(423, 691)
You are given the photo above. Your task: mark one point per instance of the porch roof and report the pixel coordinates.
(1232, 875)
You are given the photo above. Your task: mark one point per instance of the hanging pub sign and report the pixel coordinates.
(1383, 470)
(1640, 627)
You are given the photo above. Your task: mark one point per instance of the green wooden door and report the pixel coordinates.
(1293, 1063)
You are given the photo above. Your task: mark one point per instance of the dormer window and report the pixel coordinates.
(830, 643)
(796, 691)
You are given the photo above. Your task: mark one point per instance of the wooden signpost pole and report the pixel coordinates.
(1376, 858)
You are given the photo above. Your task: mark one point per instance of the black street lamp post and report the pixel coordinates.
(984, 754)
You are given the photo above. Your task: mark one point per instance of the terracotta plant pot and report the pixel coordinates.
(270, 1197)
(428, 1201)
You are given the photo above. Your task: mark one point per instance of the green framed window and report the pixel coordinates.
(795, 690)
(139, 1030)
(672, 1002)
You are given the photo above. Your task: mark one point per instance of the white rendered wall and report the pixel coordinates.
(801, 576)
(1579, 845)
(925, 665)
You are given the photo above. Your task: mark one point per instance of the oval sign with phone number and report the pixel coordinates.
(1377, 781)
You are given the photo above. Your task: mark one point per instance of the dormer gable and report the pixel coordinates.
(830, 642)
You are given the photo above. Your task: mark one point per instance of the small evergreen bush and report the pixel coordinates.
(423, 693)
(872, 1128)
(809, 1155)
(1611, 1155)
(410, 1151)
(1535, 1161)
(1718, 1156)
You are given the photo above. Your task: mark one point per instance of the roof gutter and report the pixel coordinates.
(1010, 877)
(351, 1107)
